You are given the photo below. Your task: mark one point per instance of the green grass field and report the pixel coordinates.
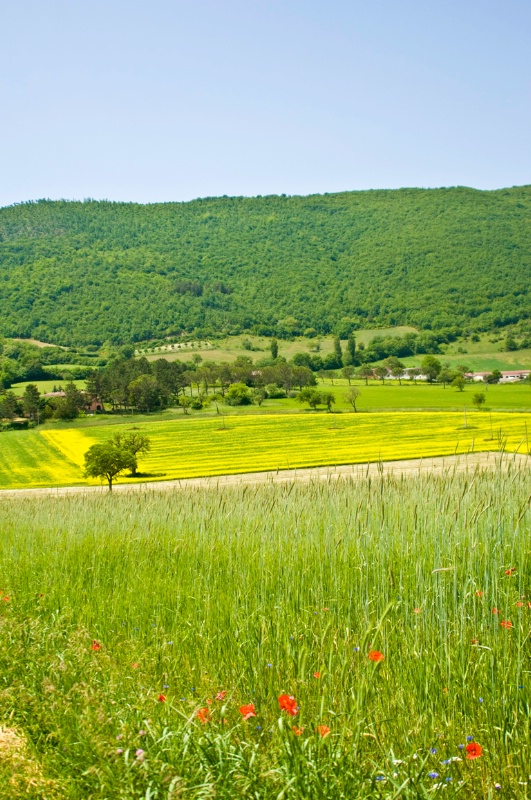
(422, 395)
(45, 386)
(191, 447)
(136, 632)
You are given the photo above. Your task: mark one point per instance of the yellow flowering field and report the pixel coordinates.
(191, 447)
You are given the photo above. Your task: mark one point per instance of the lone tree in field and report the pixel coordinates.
(459, 383)
(274, 348)
(135, 443)
(478, 399)
(107, 460)
(351, 396)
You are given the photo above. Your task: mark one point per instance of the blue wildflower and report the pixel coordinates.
(470, 738)
(433, 775)
(433, 750)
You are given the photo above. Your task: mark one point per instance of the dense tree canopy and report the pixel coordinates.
(85, 273)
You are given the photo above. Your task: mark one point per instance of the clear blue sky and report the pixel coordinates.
(152, 100)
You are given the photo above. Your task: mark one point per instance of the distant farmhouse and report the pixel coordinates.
(510, 376)
(91, 405)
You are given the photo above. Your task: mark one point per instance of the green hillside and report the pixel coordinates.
(83, 273)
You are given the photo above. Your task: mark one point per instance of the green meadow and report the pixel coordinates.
(145, 641)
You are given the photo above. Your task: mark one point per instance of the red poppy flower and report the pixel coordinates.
(376, 656)
(475, 641)
(417, 610)
(220, 695)
(479, 594)
(134, 665)
(161, 698)
(506, 623)
(6, 599)
(495, 611)
(473, 750)
(519, 604)
(323, 730)
(247, 711)
(288, 704)
(297, 731)
(317, 675)
(95, 645)
(203, 715)
(510, 571)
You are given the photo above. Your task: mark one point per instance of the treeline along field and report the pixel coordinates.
(137, 632)
(196, 447)
(86, 273)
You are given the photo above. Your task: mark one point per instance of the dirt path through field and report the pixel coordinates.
(410, 467)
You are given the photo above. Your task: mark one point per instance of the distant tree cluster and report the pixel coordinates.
(65, 405)
(23, 361)
(129, 383)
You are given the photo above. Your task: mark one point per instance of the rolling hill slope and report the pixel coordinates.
(85, 272)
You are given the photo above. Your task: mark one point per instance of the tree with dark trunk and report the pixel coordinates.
(107, 460)
(351, 396)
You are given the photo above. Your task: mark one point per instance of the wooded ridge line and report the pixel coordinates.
(79, 273)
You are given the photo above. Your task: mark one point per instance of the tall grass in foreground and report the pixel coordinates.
(118, 602)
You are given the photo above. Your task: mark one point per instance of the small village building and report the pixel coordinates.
(507, 376)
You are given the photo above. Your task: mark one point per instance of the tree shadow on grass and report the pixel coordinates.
(147, 475)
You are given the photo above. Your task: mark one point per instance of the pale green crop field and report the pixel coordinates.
(231, 347)
(192, 447)
(145, 641)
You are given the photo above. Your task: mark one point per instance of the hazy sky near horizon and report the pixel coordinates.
(157, 100)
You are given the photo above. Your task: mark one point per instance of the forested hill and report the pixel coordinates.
(80, 273)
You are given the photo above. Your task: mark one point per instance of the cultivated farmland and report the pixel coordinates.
(145, 641)
(192, 447)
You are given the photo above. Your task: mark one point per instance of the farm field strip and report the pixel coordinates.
(187, 448)
(152, 640)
